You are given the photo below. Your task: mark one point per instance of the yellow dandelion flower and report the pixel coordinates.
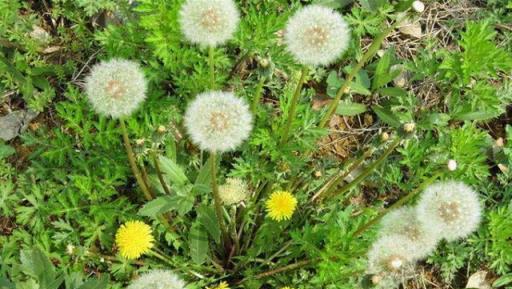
(222, 285)
(134, 238)
(281, 205)
(286, 287)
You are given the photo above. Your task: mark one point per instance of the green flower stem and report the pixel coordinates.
(159, 254)
(216, 197)
(405, 199)
(345, 88)
(211, 62)
(337, 179)
(370, 168)
(133, 165)
(293, 106)
(156, 163)
(257, 95)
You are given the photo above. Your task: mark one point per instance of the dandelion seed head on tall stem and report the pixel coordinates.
(158, 279)
(404, 222)
(116, 88)
(218, 121)
(450, 209)
(391, 253)
(209, 22)
(317, 35)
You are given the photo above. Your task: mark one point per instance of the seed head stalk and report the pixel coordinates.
(211, 63)
(133, 165)
(345, 88)
(292, 111)
(402, 201)
(217, 199)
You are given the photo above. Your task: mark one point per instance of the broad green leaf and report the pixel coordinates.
(359, 88)
(156, 207)
(5, 284)
(333, 83)
(6, 150)
(386, 116)
(476, 115)
(334, 4)
(204, 178)
(100, 283)
(392, 91)
(502, 281)
(174, 172)
(198, 243)
(208, 219)
(382, 71)
(350, 108)
(160, 205)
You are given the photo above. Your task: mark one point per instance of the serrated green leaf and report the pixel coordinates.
(386, 116)
(160, 205)
(502, 281)
(203, 180)
(198, 243)
(382, 71)
(6, 150)
(208, 219)
(334, 4)
(392, 91)
(350, 108)
(476, 115)
(173, 172)
(100, 283)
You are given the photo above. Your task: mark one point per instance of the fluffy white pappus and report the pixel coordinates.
(233, 191)
(116, 88)
(404, 222)
(158, 279)
(218, 121)
(391, 254)
(209, 22)
(316, 35)
(449, 209)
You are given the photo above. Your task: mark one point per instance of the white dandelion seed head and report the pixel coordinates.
(449, 209)
(317, 35)
(158, 279)
(209, 22)
(116, 88)
(391, 253)
(218, 121)
(404, 222)
(233, 191)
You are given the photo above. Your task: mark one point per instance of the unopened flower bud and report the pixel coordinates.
(409, 127)
(452, 165)
(70, 249)
(418, 6)
(499, 142)
(161, 129)
(503, 168)
(376, 279)
(384, 136)
(264, 62)
(139, 142)
(318, 174)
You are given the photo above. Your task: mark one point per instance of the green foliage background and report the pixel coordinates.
(65, 185)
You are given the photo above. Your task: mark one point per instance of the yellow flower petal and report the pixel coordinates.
(134, 238)
(281, 205)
